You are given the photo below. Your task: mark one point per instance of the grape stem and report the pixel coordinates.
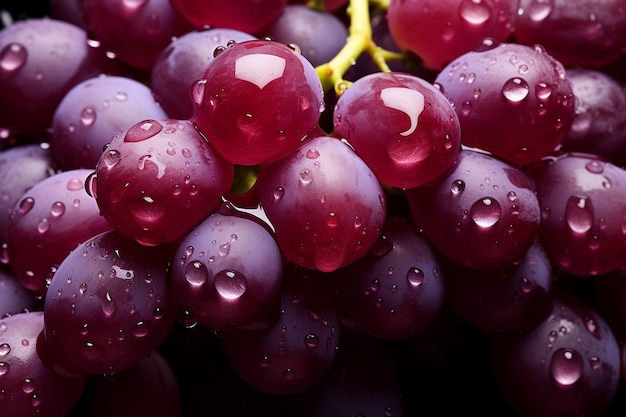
(359, 42)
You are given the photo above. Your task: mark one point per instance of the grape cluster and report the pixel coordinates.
(312, 208)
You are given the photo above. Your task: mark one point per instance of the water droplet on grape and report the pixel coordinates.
(196, 273)
(543, 91)
(91, 351)
(312, 153)
(28, 386)
(515, 89)
(141, 329)
(539, 9)
(278, 193)
(57, 209)
(311, 340)
(288, 373)
(5, 349)
(13, 57)
(415, 277)
(332, 220)
(485, 212)
(111, 158)
(566, 366)
(595, 167)
(306, 177)
(26, 205)
(4, 368)
(224, 249)
(230, 284)
(88, 116)
(458, 186)
(43, 226)
(143, 130)
(108, 305)
(475, 12)
(466, 108)
(579, 213)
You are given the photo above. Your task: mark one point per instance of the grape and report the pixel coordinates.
(245, 15)
(439, 32)
(319, 35)
(47, 223)
(182, 63)
(576, 32)
(40, 61)
(514, 101)
(158, 179)
(71, 11)
(283, 94)
(108, 306)
(92, 113)
(298, 350)
(569, 364)
(401, 126)
(607, 297)
(582, 226)
(326, 205)
(21, 167)
(395, 292)
(227, 272)
(482, 214)
(134, 31)
(29, 386)
(14, 297)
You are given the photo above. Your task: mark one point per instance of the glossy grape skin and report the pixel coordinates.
(401, 126)
(439, 32)
(568, 365)
(512, 100)
(182, 62)
(41, 60)
(482, 214)
(587, 33)
(319, 35)
(21, 167)
(396, 291)
(47, 223)
(30, 387)
(260, 129)
(509, 300)
(582, 213)
(92, 113)
(108, 305)
(227, 272)
(245, 15)
(158, 179)
(298, 350)
(326, 205)
(136, 31)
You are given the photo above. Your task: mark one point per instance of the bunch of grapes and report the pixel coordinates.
(312, 208)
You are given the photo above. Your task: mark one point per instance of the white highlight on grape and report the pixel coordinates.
(408, 101)
(259, 69)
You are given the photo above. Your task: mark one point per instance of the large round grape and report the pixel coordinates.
(29, 387)
(512, 100)
(569, 364)
(158, 179)
(227, 272)
(403, 128)
(326, 205)
(582, 212)
(283, 101)
(108, 306)
(482, 214)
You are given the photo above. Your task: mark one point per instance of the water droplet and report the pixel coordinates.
(475, 12)
(82, 288)
(26, 205)
(306, 177)
(466, 108)
(594, 362)
(415, 277)
(486, 44)
(595, 167)
(525, 285)
(515, 89)
(4, 368)
(5, 349)
(543, 91)
(539, 9)
(143, 130)
(13, 57)
(373, 287)
(311, 340)
(111, 158)
(141, 329)
(485, 212)
(382, 246)
(332, 220)
(230, 284)
(91, 351)
(196, 273)
(28, 386)
(457, 187)
(312, 153)
(579, 213)
(108, 305)
(57, 209)
(88, 116)
(224, 249)
(278, 193)
(43, 226)
(566, 366)
(288, 373)
(197, 90)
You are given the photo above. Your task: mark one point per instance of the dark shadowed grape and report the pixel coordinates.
(482, 214)
(29, 387)
(14, 297)
(108, 305)
(608, 297)
(158, 179)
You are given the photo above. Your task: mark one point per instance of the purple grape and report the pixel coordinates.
(482, 214)
(21, 167)
(283, 101)
(395, 292)
(95, 111)
(182, 63)
(582, 214)
(30, 387)
(40, 61)
(14, 297)
(108, 305)
(134, 31)
(298, 350)
(327, 206)
(47, 223)
(401, 126)
(512, 100)
(569, 364)
(227, 272)
(158, 179)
